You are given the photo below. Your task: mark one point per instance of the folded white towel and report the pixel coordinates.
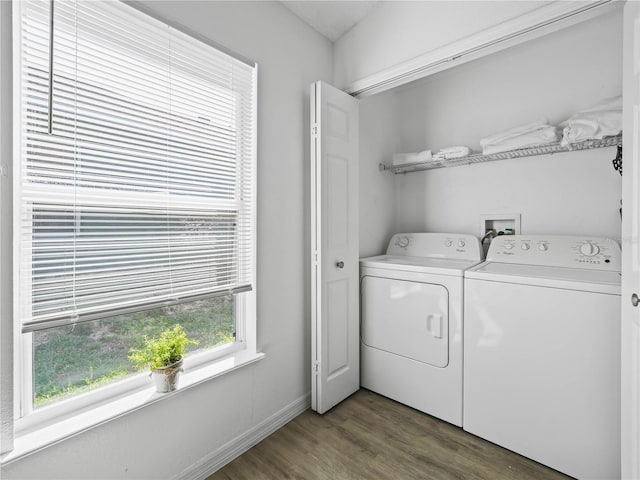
(601, 120)
(404, 158)
(538, 132)
(541, 136)
(457, 150)
(498, 138)
(452, 152)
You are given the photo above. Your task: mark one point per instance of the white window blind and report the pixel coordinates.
(143, 195)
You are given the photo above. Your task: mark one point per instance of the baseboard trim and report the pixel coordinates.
(236, 447)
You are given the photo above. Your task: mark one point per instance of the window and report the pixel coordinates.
(137, 210)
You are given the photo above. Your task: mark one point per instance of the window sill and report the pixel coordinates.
(34, 441)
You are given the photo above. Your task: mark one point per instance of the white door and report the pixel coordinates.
(631, 246)
(334, 247)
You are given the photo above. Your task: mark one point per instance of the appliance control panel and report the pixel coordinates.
(595, 253)
(436, 245)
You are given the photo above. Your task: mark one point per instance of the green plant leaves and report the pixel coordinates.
(162, 351)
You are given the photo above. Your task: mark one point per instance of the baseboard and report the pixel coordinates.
(236, 447)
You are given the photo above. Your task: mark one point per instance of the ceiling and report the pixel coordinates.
(331, 18)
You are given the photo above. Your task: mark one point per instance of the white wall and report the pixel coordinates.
(570, 194)
(378, 141)
(553, 76)
(162, 440)
(398, 31)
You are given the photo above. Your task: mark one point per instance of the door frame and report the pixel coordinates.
(630, 318)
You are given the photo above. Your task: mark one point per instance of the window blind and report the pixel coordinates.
(143, 195)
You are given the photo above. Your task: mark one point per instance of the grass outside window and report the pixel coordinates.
(73, 359)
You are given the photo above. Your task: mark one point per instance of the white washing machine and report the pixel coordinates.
(542, 351)
(411, 321)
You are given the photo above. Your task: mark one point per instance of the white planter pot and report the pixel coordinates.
(166, 378)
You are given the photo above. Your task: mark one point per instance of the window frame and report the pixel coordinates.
(199, 367)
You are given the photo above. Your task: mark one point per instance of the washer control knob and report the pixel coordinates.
(402, 242)
(543, 247)
(461, 243)
(589, 249)
(448, 243)
(526, 246)
(508, 246)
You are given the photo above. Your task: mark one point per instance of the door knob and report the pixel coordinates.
(340, 264)
(635, 300)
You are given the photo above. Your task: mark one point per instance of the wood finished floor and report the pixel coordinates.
(371, 437)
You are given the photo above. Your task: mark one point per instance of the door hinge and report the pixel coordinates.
(316, 368)
(314, 130)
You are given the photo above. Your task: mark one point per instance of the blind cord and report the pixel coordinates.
(77, 212)
(50, 99)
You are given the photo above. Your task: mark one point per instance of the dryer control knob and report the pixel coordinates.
(526, 246)
(508, 246)
(543, 247)
(461, 243)
(448, 243)
(402, 242)
(589, 249)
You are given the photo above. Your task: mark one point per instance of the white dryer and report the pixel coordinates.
(542, 351)
(411, 321)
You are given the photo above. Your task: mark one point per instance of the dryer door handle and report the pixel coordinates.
(635, 300)
(340, 264)
(434, 324)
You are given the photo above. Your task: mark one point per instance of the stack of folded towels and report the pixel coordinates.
(601, 120)
(531, 134)
(452, 152)
(425, 156)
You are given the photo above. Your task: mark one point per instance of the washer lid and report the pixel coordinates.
(440, 266)
(602, 281)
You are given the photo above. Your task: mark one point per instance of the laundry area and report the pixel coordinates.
(441, 237)
(490, 225)
(549, 78)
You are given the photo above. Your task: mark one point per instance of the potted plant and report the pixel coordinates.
(163, 356)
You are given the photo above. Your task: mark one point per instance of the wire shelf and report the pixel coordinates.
(522, 152)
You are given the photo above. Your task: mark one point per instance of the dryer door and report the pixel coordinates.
(406, 318)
